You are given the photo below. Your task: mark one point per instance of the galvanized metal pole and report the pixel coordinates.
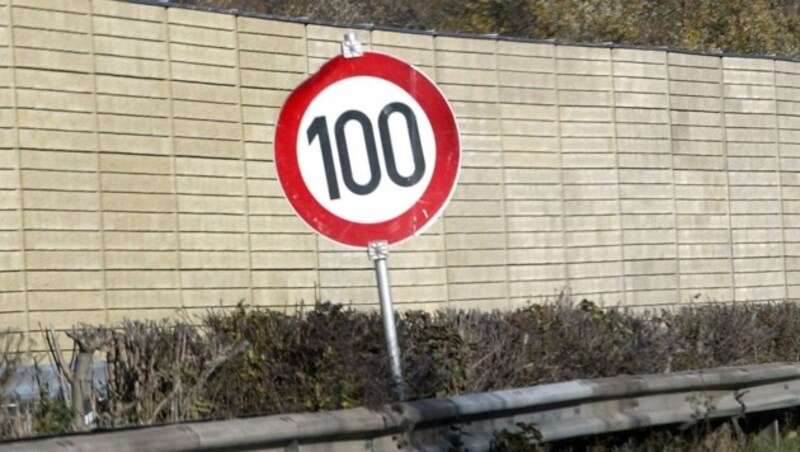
(378, 252)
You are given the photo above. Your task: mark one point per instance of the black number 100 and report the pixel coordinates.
(319, 128)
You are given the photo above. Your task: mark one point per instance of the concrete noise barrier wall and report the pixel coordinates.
(137, 175)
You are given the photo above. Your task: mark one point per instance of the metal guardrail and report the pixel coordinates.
(558, 411)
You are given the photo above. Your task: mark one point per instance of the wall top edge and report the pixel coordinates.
(436, 33)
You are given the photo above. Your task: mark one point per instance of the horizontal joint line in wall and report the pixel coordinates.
(212, 212)
(134, 173)
(537, 215)
(132, 57)
(530, 59)
(55, 110)
(62, 171)
(53, 210)
(196, 25)
(202, 45)
(271, 51)
(31, 229)
(185, 288)
(635, 275)
(517, 281)
(588, 184)
(474, 282)
(71, 270)
(214, 102)
(180, 156)
(205, 195)
(114, 94)
(689, 67)
(471, 250)
(113, 114)
(192, 81)
(205, 121)
(263, 70)
(125, 20)
(703, 258)
(182, 250)
(61, 250)
(223, 140)
(636, 260)
(203, 64)
(477, 265)
(54, 190)
(48, 129)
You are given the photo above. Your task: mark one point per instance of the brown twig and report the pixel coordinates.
(215, 364)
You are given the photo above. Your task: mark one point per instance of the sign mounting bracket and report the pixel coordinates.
(351, 46)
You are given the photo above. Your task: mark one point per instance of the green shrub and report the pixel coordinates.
(332, 358)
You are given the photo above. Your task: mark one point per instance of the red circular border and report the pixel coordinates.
(448, 151)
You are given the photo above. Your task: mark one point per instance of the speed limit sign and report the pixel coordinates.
(367, 149)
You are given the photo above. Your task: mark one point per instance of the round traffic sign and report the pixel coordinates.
(367, 149)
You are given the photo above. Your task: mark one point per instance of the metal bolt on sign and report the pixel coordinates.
(378, 251)
(351, 46)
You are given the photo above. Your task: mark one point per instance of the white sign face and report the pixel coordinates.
(347, 123)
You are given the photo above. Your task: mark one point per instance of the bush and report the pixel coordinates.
(336, 358)
(252, 361)
(332, 358)
(158, 371)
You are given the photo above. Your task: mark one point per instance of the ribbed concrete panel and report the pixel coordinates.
(13, 296)
(593, 234)
(139, 179)
(466, 71)
(787, 93)
(269, 51)
(135, 159)
(755, 189)
(700, 177)
(209, 159)
(645, 168)
(532, 160)
(65, 282)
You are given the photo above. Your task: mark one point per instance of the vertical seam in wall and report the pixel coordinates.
(727, 175)
(243, 145)
(615, 144)
(317, 237)
(561, 170)
(780, 179)
(171, 119)
(443, 217)
(503, 194)
(672, 174)
(15, 109)
(98, 172)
